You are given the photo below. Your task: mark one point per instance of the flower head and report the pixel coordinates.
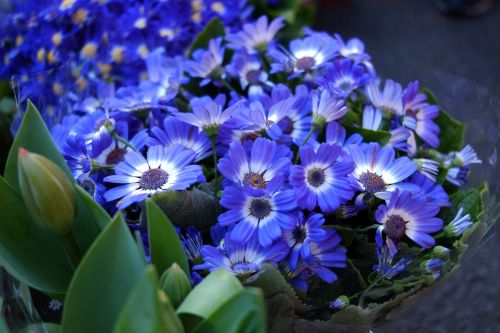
(342, 77)
(206, 63)
(389, 99)
(385, 267)
(326, 108)
(407, 215)
(459, 224)
(241, 259)
(256, 212)
(255, 36)
(321, 180)
(165, 168)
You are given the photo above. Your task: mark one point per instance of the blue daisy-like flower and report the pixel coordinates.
(206, 63)
(325, 255)
(265, 161)
(378, 172)
(165, 168)
(77, 157)
(433, 191)
(390, 98)
(321, 180)
(306, 231)
(407, 215)
(256, 212)
(326, 108)
(342, 77)
(241, 259)
(176, 131)
(255, 36)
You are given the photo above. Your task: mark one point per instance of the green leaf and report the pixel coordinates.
(176, 284)
(214, 29)
(3, 326)
(381, 137)
(451, 136)
(165, 245)
(204, 300)
(468, 199)
(103, 281)
(35, 137)
(144, 311)
(42, 328)
(244, 312)
(31, 254)
(194, 207)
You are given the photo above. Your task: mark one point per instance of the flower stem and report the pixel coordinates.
(361, 280)
(122, 140)
(361, 301)
(71, 249)
(311, 131)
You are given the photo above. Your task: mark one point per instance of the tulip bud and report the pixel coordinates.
(47, 192)
(175, 283)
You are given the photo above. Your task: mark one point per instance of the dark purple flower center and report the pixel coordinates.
(315, 177)
(305, 63)
(116, 155)
(299, 234)
(260, 208)
(254, 179)
(395, 227)
(249, 136)
(153, 179)
(253, 76)
(286, 125)
(372, 182)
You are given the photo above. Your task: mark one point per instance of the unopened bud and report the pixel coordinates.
(47, 192)
(175, 283)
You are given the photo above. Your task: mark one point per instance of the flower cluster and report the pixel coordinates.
(300, 144)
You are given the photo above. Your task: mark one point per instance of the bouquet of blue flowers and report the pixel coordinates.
(285, 162)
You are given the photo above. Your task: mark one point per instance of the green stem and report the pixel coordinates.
(71, 248)
(311, 131)
(361, 301)
(361, 280)
(96, 167)
(339, 227)
(122, 140)
(227, 85)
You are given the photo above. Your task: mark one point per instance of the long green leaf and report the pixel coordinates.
(165, 245)
(243, 313)
(31, 254)
(204, 300)
(103, 281)
(35, 137)
(145, 311)
(214, 29)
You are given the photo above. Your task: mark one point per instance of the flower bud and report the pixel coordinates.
(47, 192)
(175, 283)
(340, 303)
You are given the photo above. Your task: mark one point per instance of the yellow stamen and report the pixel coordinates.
(57, 38)
(89, 50)
(117, 53)
(140, 23)
(66, 4)
(218, 7)
(40, 55)
(80, 16)
(143, 50)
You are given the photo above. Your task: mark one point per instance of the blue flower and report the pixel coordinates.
(336, 134)
(390, 99)
(459, 224)
(340, 303)
(305, 231)
(326, 108)
(192, 242)
(177, 132)
(207, 63)
(321, 180)
(256, 36)
(260, 118)
(265, 161)
(75, 153)
(327, 254)
(307, 54)
(430, 189)
(342, 77)
(256, 212)
(250, 72)
(434, 266)
(378, 172)
(385, 266)
(458, 164)
(405, 214)
(208, 114)
(241, 259)
(166, 168)
(372, 120)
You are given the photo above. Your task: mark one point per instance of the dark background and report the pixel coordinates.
(459, 58)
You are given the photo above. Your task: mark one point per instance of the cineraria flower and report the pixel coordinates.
(165, 168)
(458, 164)
(256, 36)
(192, 242)
(75, 153)
(256, 212)
(208, 115)
(305, 54)
(389, 99)
(385, 267)
(241, 259)
(354, 49)
(248, 69)
(406, 214)
(305, 231)
(459, 224)
(342, 77)
(340, 303)
(206, 63)
(265, 161)
(321, 180)
(259, 118)
(326, 108)
(430, 189)
(327, 254)
(427, 167)
(177, 132)
(435, 267)
(377, 172)
(372, 120)
(336, 134)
